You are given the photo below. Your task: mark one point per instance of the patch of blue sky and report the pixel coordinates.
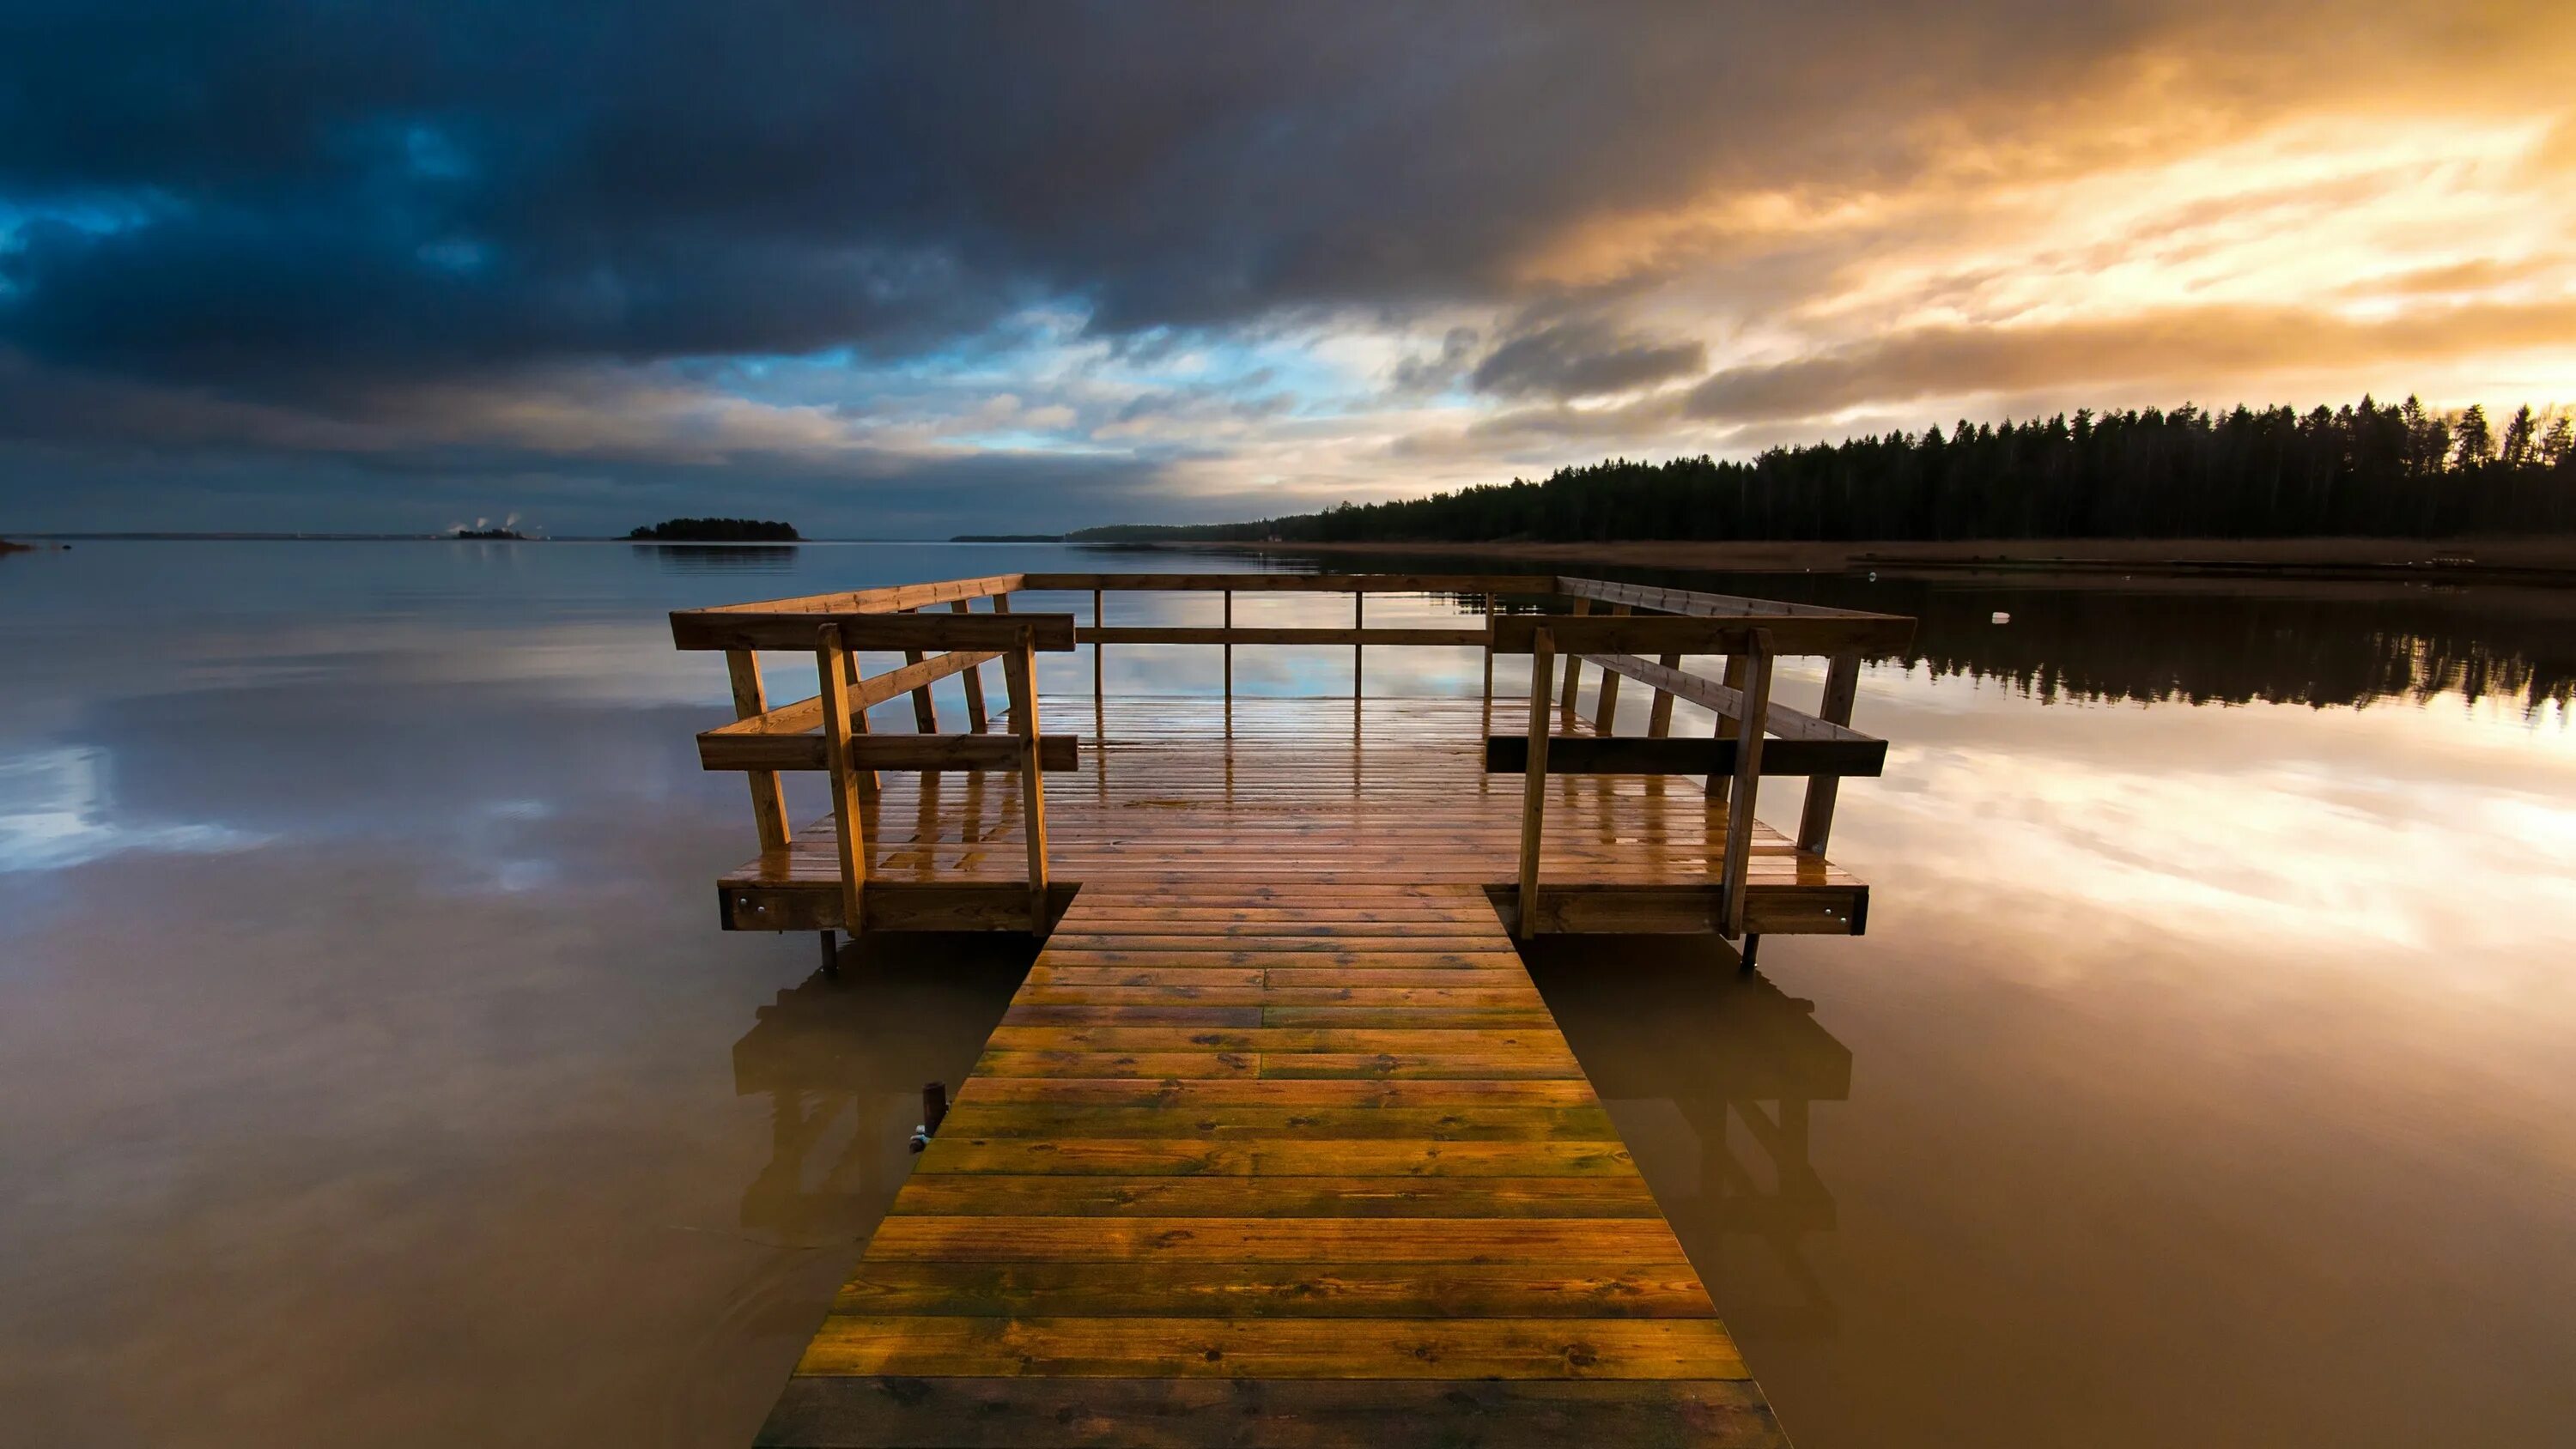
(95, 213)
(432, 153)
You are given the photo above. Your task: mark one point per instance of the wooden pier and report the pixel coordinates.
(1278, 1143)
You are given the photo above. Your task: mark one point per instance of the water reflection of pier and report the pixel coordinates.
(843, 1062)
(1702, 1062)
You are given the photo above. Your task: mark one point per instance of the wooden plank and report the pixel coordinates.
(1406, 583)
(1727, 701)
(1534, 791)
(1747, 779)
(721, 751)
(1605, 1286)
(1642, 755)
(728, 629)
(1707, 605)
(961, 1412)
(1052, 1238)
(1675, 634)
(1816, 818)
(888, 599)
(768, 802)
(974, 681)
(831, 667)
(1605, 714)
(1019, 670)
(1379, 1348)
(925, 710)
(1260, 634)
(1282, 1197)
(1573, 667)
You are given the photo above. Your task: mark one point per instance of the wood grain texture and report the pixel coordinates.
(1254, 1163)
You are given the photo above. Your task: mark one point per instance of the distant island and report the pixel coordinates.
(1008, 538)
(7, 547)
(717, 530)
(2362, 471)
(488, 533)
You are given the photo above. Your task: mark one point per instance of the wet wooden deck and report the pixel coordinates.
(1295, 1160)
(1324, 790)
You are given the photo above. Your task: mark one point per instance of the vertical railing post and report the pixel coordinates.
(1659, 721)
(1534, 782)
(1748, 777)
(925, 710)
(849, 818)
(1605, 713)
(1732, 675)
(866, 779)
(1489, 653)
(1574, 664)
(768, 802)
(1816, 821)
(1099, 673)
(1229, 658)
(1019, 672)
(974, 683)
(1359, 620)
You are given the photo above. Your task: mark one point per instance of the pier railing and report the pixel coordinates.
(1630, 632)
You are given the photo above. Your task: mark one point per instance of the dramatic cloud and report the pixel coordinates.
(402, 260)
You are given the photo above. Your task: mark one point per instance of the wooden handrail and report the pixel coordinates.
(1680, 634)
(891, 599)
(1728, 703)
(1705, 605)
(774, 753)
(1294, 583)
(1716, 758)
(738, 629)
(1262, 634)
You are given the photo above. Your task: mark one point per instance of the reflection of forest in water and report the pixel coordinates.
(2316, 644)
(2201, 641)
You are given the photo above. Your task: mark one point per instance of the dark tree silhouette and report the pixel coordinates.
(2361, 470)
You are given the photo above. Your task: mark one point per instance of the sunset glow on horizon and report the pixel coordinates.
(910, 275)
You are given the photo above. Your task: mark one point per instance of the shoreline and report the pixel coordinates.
(2550, 560)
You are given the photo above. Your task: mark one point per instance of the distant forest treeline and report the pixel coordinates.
(2365, 470)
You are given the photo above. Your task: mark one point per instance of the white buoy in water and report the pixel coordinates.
(2002, 618)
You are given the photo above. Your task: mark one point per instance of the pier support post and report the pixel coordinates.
(1816, 821)
(1574, 666)
(1748, 776)
(1534, 780)
(832, 955)
(1019, 672)
(768, 802)
(974, 683)
(1745, 953)
(849, 818)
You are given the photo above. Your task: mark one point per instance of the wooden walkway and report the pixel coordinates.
(1274, 1164)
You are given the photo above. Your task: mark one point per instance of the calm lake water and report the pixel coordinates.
(372, 1069)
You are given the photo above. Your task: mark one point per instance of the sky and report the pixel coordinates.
(912, 271)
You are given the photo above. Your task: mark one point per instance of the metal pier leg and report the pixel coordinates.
(832, 954)
(1752, 947)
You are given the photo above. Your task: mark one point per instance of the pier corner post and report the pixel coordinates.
(1534, 781)
(849, 818)
(1019, 672)
(1756, 703)
(1816, 819)
(750, 701)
